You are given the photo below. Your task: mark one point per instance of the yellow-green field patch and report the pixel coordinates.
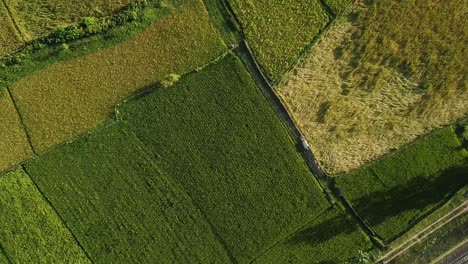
(14, 146)
(9, 38)
(68, 98)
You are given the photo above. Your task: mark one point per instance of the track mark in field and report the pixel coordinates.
(458, 211)
(57, 213)
(28, 137)
(15, 24)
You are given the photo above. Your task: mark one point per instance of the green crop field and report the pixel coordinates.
(120, 205)
(279, 31)
(339, 7)
(30, 230)
(331, 238)
(14, 146)
(37, 18)
(388, 73)
(217, 136)
(54, 112)
(394, 193)
(9, 36)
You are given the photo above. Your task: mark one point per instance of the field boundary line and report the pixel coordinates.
(15, 24)
(290, 235)
(58, 214)
(456, 212)
(20, 116)
(5, 254)
(465, 241)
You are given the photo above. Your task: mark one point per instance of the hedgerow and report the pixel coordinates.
(120, 205)
(396, 192)
(279, 31)
(215, 134)
(31, 232)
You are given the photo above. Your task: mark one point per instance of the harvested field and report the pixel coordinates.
(217, 136)
(71, 97)
(396, 192)
(279, 31)
(14, 146)
(331, 238)
(37, 18)
(365, 89)
(31, 232)
(10, 39)
(120, 205)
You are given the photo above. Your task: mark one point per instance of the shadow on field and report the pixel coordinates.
(419, 193)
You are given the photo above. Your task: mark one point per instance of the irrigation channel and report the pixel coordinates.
(323, 178)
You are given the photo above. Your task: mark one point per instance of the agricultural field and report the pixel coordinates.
(9, 35)
(120, 205)
(217, 137)
(279, 31)
(379, 79)
(396, 192)
(31, 231)
(14, 145)
(38, 18)
(339, 7)
(331, 238)
(66, 99)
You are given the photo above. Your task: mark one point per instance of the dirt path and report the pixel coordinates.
(457, 253)
(458, 211)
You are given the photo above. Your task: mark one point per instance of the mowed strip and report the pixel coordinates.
(41, 17)
(9, 38)
(394, 193)
(333, 237)
(30, 230)
(69, 98)
(279, 31)
(216, 135)
(14, 146)
(121, 207)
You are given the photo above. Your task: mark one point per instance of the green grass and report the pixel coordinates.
(31, 232)
(331, 238)
(120, 205)
(215, 134)
(182, 39)
(9, 36)
(279, 31)
(339, 7)
(3, 257)
(394, 193)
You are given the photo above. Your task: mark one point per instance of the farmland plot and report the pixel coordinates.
(215, 134)
(121, 207)
(10, 39)
(279, 31)
(69, 98)
(380, 80)
(14, 146)
(394, 193)
(30, 231)
(38, 18)
(331, 238)
(339, 7)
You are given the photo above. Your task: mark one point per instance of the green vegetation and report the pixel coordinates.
(37, 18)
(279, 31)
(339, 7)
(217, 136)
(9, 36)
(3, 257)
(223, 22)
(30, 230)
(437, 243)
(120, 205)
(396, 192)
(331, 238)
(14, 146)
(53, 112)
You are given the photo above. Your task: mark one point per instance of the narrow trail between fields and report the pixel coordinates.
(455, 255)
(456, 212)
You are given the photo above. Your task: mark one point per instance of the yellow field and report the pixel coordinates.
(69, 98)
(356, 99)
(37, 18)
(14, 146)
(9, 39)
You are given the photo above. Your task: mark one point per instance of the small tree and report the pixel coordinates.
(170, 80)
